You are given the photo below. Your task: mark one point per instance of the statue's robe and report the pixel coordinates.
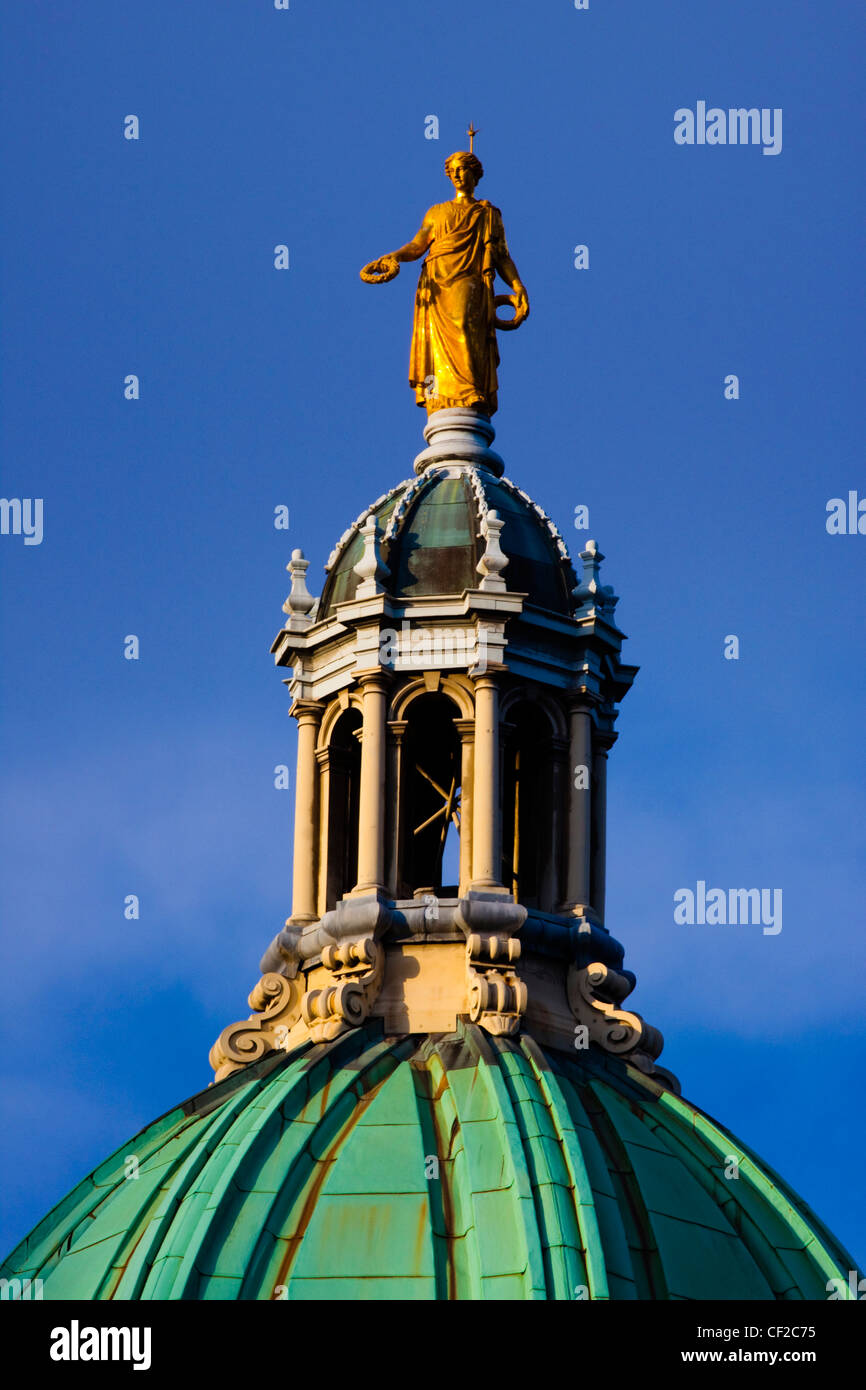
(454, 352)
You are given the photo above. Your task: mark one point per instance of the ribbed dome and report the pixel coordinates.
(432, 541)
(313, 1176)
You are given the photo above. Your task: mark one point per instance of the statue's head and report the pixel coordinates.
(466, 167)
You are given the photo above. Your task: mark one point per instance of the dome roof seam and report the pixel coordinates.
(554, 1171)
(542, 515)
(353, 530)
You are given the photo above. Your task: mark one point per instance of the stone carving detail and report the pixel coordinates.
(356, 968)
(589, 592)
(497, 995)
(595, 993)
(479, 494)
(349, 533)
(493, 561)
(539, 511)
(371, 569)
(400, 511)
(300, 603)
(277, 1002)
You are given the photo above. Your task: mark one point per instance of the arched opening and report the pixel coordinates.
(342, 768)
(451, 858)
(430, 790)
(529, 849)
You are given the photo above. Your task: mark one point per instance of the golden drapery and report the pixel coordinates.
(454, 351)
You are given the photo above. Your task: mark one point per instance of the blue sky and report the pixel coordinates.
(261, 388)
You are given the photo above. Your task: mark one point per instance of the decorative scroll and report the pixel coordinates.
(497, 995)
(277, 1002)
(356, 970)
(595, 994)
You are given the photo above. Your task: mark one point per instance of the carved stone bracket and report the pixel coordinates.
(277, 1002)
(497, 995)
(595, 993)
(283, 954)
(356, 970)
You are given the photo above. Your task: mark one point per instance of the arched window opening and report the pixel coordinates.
(451, 860)
(343, 793)
(528, 849)
(431, 797)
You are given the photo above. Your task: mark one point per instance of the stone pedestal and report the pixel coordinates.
(459, 436)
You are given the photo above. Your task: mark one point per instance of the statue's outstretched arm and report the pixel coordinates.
(387, 266)
(414, 249)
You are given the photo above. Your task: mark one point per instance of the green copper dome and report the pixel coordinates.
(432, 541)
(458, 1166)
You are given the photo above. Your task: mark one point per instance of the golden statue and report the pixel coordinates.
(454, 350)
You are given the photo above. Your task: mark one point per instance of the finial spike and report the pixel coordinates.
(472, 132)
(493, 561)
(300, 603)
(589, 592)
(370, 569)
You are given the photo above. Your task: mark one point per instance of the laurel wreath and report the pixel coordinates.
(380, 271)
(507, 324)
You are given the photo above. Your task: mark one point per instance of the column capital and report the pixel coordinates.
(375, 678)
(581, 702)
(603, 742)
(307, 711)
(465, 728)
(488, 680)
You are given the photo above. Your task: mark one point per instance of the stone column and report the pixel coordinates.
(394, 858)
(466, 730)
(551, 889)
(304, 895)
(371, 815)
(486, 811)
(323, 758)
(599, 822)
(577, 856)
